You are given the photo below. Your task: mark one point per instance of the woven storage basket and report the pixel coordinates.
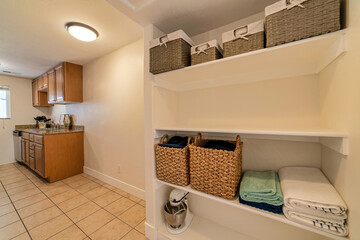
(215, 171)
(244, 39)
(205, 52)
(172, 164)
(170, 52)
(287, 22)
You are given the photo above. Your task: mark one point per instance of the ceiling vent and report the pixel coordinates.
(8, 72)
(136, 5)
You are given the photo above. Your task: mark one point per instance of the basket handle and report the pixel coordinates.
(164, 139)
(197, 138)
(163, 40)
(190, 140)
(238, 141)
(294, 3)
(241, 35)
(198, 50)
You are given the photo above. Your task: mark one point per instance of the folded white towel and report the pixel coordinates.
(307, 190)
(336, 227)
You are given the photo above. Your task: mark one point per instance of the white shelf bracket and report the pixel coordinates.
(340, 145)
(338, 48)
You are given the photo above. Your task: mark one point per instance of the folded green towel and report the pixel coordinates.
(261, 187)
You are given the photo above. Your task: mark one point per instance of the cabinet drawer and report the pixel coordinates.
(32, 145)
(38, 139)
(32, 153)
(31, 137)
(25, 135)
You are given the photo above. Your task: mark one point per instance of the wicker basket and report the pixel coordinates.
(214, 171)
(172, 164)
(287, 21)
(170, 52)
(244, 39)
(205, 52)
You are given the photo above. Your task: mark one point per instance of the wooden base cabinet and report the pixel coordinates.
(54, 156)
(39, 159)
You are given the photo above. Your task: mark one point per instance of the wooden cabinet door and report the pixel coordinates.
(51, 87)
(23, 150)
(35, 94)
(39, 159)
(60, 83)
(27, 152)
(44, 80)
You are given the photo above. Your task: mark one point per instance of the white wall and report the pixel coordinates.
(22, 112)
(340, 98)
(113, 113)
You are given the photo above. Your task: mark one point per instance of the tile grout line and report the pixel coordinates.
(115, 217)
(101, 208)
(59, 209)
(16, 213)
(83, 194)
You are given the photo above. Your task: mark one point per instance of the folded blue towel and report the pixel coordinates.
(220, 145)
(176, 142)
(263, 206)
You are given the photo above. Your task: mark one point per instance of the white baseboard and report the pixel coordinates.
(137, 192)
(150, 232)
(7, 163)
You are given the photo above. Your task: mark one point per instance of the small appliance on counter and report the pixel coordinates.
(177, 214)
(41, 122)
(67, 121)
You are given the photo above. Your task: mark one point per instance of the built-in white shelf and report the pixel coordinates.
(235, 203)
(202, 229)
(304, 57)
(335, 140)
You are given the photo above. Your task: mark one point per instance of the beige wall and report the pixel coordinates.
(22, 112)
(340, 105)
(112, 113)
(258, 105)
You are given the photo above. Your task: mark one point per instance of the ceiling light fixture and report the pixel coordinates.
(82, 31)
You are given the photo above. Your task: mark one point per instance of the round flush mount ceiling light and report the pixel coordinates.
(82, 31)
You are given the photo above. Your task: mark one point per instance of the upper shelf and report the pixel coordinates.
(335, 140)
(305, 57)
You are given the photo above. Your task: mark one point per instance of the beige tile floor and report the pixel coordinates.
(79, 207)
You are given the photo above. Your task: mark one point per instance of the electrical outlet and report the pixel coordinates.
(118, 168)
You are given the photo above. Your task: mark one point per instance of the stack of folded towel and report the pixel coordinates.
(176, 142)
(261, 190)
(311, 200)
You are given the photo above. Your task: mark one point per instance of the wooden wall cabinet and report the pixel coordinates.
(69, 83)
(51, 86)
(60, 85)
(39, 95)
(35, 95)
(53, 156)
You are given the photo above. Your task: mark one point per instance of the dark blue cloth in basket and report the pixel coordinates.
(263, 206)
(176, 142)
(220, 145)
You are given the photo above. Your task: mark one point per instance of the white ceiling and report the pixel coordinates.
(193, 16)
(33, 38)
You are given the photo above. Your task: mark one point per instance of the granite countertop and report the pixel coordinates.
(49, 131)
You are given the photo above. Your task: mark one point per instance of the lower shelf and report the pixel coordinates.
(235, 203)
(203, 229)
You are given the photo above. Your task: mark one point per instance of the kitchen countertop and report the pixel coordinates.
(49, 131)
